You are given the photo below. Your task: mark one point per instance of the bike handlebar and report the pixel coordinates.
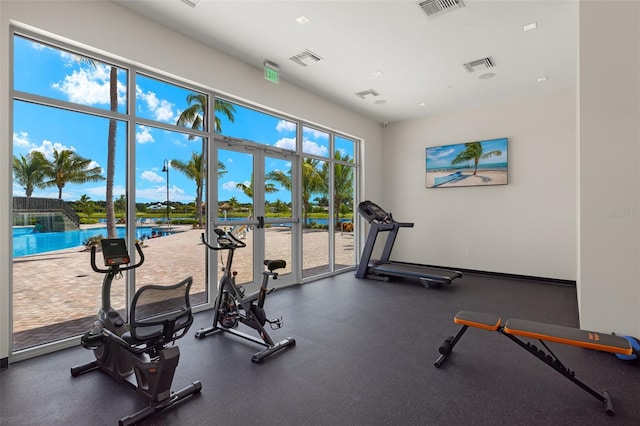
(225, 241)
(118, 267)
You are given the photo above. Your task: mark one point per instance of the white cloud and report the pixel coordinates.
(286, 143)
(151, 176)
(90, 86)
(230, 185)
(436, 154)
(311, 147)
(21, 140)
(47, 148)
(144, 135)
(285, 126)
(93, 164)
(313, 133)
(161, 109)
(159, 193)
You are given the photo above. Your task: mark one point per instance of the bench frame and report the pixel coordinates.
(491, 322)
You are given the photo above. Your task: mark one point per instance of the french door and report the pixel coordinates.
(255, 202)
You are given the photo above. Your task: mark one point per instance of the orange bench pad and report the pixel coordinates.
(568, 336)
(478, 320)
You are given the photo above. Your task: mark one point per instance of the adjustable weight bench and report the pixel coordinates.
(542, 332)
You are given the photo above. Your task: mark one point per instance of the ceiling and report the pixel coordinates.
(414, 62)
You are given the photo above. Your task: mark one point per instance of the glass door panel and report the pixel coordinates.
(236, 209)
(278, 216)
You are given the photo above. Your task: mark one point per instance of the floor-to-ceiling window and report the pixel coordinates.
(170, 170)
(105, 149)
(68, 112)
(86, 134)
(343, 201)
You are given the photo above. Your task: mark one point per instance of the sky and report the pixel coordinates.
(441, 156)
(53, 73)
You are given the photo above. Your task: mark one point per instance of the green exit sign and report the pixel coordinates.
(271, 73)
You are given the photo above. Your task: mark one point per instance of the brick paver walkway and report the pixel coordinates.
(56, 294)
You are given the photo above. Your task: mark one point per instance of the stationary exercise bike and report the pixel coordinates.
(233, 306)
(137, 353)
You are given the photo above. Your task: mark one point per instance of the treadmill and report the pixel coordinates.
(385, 269)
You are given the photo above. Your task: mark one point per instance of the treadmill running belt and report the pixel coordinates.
(442, 276)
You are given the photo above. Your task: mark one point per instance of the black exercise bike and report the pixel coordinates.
(137, 353)
(232, 306)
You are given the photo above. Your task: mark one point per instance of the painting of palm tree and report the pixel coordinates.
(467, 164)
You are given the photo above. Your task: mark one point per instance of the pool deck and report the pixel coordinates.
(60, 286)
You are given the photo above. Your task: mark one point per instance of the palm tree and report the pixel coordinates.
(342, 182)
(192, 170)
(195, 117)
(120, 205)
(269, 188)
(313, 182)
(473, 151)
(28, 171)
(111, 144)
(69, 167)
(111, 154)
(85, 205)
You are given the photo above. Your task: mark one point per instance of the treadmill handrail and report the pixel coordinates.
(404, 224)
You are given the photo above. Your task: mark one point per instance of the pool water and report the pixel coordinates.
(26, 243)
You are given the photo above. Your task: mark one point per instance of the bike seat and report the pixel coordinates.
(272, 265)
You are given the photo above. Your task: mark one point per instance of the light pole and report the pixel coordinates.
(165, 168)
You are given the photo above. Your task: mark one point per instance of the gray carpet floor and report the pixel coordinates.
(364, 355)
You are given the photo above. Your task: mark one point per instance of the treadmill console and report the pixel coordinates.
(373, 212)
(114, 251)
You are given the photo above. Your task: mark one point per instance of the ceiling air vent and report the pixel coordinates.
(367, 93)
(191, 3)
(304, 57)
(479, 64)
(438, 7)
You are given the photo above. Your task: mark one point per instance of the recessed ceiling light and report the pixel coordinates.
(487, 76)
(377, 73)
(421, 104)
(302, 20)
(529, 27)
(541, 79)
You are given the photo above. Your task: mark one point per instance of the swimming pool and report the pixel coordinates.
(26, 243)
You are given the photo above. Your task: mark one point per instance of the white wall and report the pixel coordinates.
(527, 227)
(609, 129)
(115, 31)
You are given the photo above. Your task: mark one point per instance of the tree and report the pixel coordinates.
(85, 205)
(313, 182)
(342, 182)
(195, 117)
(28, 172)
(69, 167)
(473, 151)
(193, 169)
(111, 153)
(120, 205)
(269, 188)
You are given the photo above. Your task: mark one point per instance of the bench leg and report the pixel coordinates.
(553, 362)
(447, 346)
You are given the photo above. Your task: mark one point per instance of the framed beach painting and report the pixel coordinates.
(478, 163)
